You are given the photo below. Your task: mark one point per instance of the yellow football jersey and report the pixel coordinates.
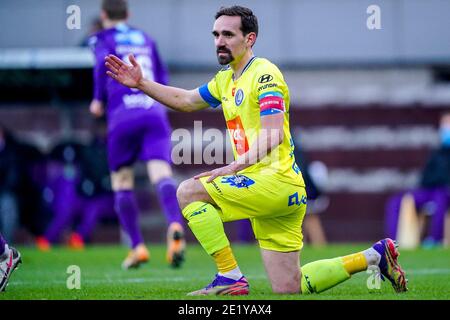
(259, 91)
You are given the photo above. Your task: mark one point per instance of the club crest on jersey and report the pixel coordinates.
(239, 97)
(238, 181)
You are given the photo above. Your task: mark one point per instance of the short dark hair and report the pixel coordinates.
(115, 9)
(249, 22)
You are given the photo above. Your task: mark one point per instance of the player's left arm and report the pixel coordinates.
(270, 136)
(272, 108)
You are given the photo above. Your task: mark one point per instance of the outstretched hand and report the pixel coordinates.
(128, 75)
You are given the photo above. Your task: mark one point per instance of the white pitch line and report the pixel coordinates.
(112, 280)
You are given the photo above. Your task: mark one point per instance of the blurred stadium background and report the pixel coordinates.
(366, 103)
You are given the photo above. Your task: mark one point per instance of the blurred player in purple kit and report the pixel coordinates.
(138, 129)
(9, 260)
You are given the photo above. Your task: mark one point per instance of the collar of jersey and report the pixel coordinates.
(245, 68)
(122, 26)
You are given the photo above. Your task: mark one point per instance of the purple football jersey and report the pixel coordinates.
(138, 127)
(121, 41)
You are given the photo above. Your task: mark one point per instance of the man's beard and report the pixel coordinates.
(223, 60)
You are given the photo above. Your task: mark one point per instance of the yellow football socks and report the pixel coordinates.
(225, 260)
(206, 225)
(321, 275)
(354, 263)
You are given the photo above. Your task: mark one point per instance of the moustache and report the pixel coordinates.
(223, 50)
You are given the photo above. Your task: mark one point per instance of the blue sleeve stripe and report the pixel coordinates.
(271, 93)
(270, 111)
(207, 96)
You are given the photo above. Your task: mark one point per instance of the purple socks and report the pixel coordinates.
(127, 209)
(125, 204)
(167, 194)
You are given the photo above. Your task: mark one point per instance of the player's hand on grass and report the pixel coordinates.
(96, 108)
(230, 169)
(128, 75)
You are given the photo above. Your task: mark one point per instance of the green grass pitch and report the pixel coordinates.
(43, 275)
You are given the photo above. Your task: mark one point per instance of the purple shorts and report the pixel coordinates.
(138, 135)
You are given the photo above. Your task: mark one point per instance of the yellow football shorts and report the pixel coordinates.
(275, 208)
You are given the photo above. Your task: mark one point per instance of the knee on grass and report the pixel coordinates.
(286, 287)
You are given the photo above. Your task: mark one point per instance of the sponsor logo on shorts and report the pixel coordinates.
(238, 181)
(294, 200)
(265, 78)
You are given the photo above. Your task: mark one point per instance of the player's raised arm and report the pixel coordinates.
(131, 76)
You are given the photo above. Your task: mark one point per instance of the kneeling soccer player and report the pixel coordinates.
(263, 184)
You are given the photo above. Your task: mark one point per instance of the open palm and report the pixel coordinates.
(128, 75)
